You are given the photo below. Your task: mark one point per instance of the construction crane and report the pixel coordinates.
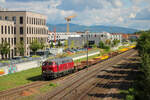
(68, 19)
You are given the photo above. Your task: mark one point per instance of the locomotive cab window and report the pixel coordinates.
(44, 63)
(50, 63)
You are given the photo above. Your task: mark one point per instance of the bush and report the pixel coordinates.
(142, 85)
(35, 56)
(107, 48)
(53, 85)
(130, 97)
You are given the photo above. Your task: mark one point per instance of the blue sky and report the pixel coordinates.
(125, 13)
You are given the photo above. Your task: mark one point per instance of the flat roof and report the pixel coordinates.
(23, 11)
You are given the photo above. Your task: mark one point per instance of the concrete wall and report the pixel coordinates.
(13, 68)
(84, 56)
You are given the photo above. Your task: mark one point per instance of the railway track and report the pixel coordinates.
(104, 83)
(13, 94)
(70, 88)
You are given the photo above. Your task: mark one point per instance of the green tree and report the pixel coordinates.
(115, 42)
(66, 44)
(34, 46)
(143, 86)
(20, 48)
(59, 43)
(4, 49)
(72, 44)
(108, 42)
(42, 45)
(51, 45)
(94, 46)
(101, 45)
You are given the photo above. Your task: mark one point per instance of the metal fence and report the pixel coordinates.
(23, 60)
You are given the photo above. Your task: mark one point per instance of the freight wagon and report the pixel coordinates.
(61, 66)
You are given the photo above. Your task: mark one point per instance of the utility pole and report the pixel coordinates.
(86, 32)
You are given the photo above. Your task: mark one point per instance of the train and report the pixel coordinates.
(59, 67)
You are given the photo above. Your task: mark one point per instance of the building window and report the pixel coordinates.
(2, 40)
(21, 20)
(27, 20)
(27, 40)
(21, 39)
(27, 30)
(6, 17)
(9, 40)
(12, 42)
(32, 30)
(8, 29)
(36, 21)
(14, 19)
(21, 30)
(32, 20)
(14, 30)
(15, 41)
(5, 29)
(2, 29)
(0, 17)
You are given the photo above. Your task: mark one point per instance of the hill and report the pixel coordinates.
(95, 28)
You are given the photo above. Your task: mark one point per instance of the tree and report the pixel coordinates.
(59, 43)
(86, 44)
(20, 48)
(51, 45)
(143, 86)
(94, 46)
(4, 49)
(34, 46)
(101, 44)
(66, 44)
(42, 46)
(108, 42)
(115, 42)
(72, 44)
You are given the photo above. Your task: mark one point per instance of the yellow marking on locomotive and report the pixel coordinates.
(2, 72)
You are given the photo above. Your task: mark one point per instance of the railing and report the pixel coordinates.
(23, 60)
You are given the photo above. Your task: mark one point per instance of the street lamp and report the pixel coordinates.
(86, 32)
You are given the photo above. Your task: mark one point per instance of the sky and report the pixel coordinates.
(125, 13)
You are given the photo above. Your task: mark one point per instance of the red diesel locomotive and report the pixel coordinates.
(57, 67)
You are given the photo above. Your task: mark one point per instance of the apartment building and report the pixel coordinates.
(117, 36)
(61, 36)
(7, 35)
(28, 26)
(93, 38)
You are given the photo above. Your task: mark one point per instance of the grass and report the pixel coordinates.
(48, 87)
(128, 93)
(35, 56)
(43, 89)
(4, 61)
(28, 76)
(19, 78)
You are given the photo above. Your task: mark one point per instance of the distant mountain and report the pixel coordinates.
(95, 28)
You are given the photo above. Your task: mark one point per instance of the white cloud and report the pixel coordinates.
(120, 19)
(95, 12)
(132, 15)
(2, 1)
(54, 3)
(118, 3)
